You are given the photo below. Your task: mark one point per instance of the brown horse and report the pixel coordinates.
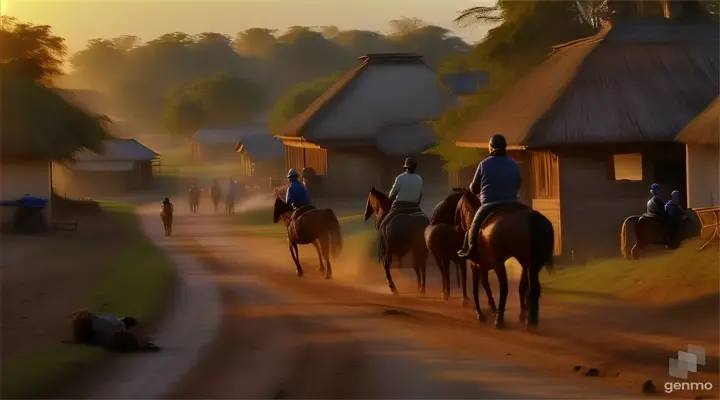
(649, 230)
(443, 240)
(513, 231)
(166, 215)
(405, 233)
(309, 225)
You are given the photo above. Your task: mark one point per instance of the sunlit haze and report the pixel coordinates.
(79, 21)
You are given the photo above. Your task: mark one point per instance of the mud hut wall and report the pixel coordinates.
(600, 188)
(703, 175)
(541, 188)
(351, 172)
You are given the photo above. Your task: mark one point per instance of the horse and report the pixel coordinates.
(649, 230)
(166, 215)
(194, 199)
(396, 241)
(309, 225)
(444, 240)
(512, 231)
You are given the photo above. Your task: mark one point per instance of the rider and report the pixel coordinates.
(497, 180)
(655, 206)
(407, 190)
(297, 194)
(675, 212)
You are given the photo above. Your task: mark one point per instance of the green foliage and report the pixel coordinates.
(297, 99)
(30, 51)
(137, 75)
(218, 100)
(38, 123)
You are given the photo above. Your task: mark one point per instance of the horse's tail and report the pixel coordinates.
(623, 234)
(543, 240)
(334, 232)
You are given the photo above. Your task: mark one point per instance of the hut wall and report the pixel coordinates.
(19, 179)
(543, 192)
(353, 171)
(595, 202)
(703, 176)
(461, 178)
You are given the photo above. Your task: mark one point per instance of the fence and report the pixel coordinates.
(709, 222)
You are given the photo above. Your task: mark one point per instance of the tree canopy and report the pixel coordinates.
(297, 99)
(137, 75)
(30, 51)
(219, 100)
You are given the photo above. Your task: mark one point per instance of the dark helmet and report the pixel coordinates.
(498, 142)
(410, 163)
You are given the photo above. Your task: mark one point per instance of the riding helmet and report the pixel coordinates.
(410, 163)
(654, 187)
(292, 173)
(498, 142)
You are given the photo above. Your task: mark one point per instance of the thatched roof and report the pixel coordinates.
(636, 82)
(705, 128)
(37, 123)
(261, 146)
(118, 150)
(231, 135)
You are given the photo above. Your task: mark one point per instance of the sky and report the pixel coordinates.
(79, 21)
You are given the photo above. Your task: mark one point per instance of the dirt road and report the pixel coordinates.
(288, 337)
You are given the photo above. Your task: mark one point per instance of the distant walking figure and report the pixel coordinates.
(215, 194)
(194, 198)
(166, 215)
(231, 196)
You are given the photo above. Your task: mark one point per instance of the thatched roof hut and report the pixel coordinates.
(635, 82)
(702, 152)
(705, 128)
(37, 123)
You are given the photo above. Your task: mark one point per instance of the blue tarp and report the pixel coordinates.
(26, 201)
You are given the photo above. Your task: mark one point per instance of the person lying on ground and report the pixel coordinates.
(108, 331)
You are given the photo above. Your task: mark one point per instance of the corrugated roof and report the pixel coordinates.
(261, 146)
(227, 135)
(633, 83)
(118, 149)
(295, 127)
(405, 140)
(705, 128)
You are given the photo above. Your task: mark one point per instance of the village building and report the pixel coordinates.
(358, 132)
(219, 144)
(702, 153)
(125, 166)
(263, 159)
(595, 125)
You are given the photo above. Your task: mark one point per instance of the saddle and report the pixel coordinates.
(300, 211)
(495, 207)
(398, 209)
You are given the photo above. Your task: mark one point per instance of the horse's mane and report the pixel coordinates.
(279, 208)
(381, 197)
(447, 207)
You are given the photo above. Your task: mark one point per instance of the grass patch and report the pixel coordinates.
(135, 282)
(683, 274)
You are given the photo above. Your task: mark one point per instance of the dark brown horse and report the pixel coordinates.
(405, 233)
(649, 230)
(319, 227)
(513, 231)
(443, 239)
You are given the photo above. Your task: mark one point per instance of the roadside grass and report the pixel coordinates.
(136, 282)
(675, 276)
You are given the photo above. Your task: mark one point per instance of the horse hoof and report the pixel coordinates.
(328, 277)
(299, 274)
(465, 303)
(446, 297)
(481, 317)
(499, 325)
(531, 328)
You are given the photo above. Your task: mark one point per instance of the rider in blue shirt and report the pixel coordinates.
(496, 181)
(297, 194)
(655, 206)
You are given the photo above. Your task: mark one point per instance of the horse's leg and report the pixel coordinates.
(485, 280)
(420, 259)
(533, 297)
(476, 292)
(501, 273)
(462, 268)
(524, 293)
(325, 247)
(296, 257)
(443, 264)
(320, 257)
(388, 275)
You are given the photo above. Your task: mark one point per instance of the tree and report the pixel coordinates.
(434, 43)
(215, 101)
(30, 51)
(297, 99)
(255, 42)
